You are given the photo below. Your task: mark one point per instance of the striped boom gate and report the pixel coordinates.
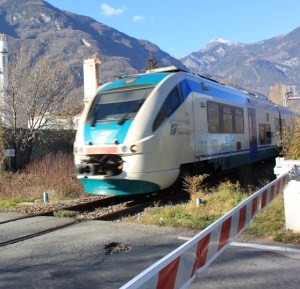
(178, 269)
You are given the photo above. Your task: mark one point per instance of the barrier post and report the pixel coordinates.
(291, 193)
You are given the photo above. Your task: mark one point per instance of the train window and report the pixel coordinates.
(277, 125)
(213, 117)
(223, 118)
(227, 119)
(283, 123)
(185, 88)
(239, 120)
(118, 105)
(264, 134)
(171, 103)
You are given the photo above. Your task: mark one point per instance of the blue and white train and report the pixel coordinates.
(138, 133)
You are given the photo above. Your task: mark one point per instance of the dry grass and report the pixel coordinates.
(53, 173)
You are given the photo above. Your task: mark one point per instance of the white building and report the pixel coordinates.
(3, 61)
(3, 72)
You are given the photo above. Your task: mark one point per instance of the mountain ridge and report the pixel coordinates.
(36, 28)
(257, 66)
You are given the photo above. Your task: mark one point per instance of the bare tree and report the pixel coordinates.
(3, 145)
(35, 98)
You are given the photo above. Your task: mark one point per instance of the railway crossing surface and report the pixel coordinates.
(99, 254)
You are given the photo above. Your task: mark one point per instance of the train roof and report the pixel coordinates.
(154, 76)
(210, 78)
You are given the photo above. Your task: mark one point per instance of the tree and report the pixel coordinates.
(3, 145)
(151, 62)
(35, 99)
(291, 141)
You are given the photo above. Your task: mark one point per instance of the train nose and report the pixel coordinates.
(105, 165)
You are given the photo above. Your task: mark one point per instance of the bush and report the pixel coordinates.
(193, 185)
(53, 173)
(291, 142)
(56, 174)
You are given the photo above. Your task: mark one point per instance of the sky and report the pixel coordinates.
(180, 27)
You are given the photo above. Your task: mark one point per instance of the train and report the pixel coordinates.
(139, 133)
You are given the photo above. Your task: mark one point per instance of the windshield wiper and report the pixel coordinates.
(125, 116)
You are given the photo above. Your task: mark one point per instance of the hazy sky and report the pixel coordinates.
(182, 27)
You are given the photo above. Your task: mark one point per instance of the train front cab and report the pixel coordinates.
(148, 147)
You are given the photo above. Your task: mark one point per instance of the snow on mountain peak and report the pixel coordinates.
(217, 41)
(221, 40)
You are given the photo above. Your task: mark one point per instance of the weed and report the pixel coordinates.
(231, 187)
(66, 214)
(193, 185)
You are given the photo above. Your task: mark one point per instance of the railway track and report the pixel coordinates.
(86, 206)
(121, 206)
(132, 205)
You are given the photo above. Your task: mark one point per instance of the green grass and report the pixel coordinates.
(13, 202)
(270, 224)
(217, 202)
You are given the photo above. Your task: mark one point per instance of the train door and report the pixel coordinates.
(200, 137)
(252, 133)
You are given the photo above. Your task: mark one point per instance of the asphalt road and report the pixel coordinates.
(99, 254)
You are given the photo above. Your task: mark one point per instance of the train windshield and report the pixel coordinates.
(117, 105)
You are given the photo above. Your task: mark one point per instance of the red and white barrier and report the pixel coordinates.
(177, 269)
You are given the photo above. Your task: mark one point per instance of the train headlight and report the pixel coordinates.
(134, 148)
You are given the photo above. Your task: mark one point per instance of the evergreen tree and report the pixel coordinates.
(151, 62)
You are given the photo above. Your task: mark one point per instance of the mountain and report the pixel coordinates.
(35, 28)
(256, 66)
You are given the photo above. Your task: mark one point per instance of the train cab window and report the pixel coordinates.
(265, 134)
(171, 103)
(117, 105)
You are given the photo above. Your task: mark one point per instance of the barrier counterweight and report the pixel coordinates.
(178, 269)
